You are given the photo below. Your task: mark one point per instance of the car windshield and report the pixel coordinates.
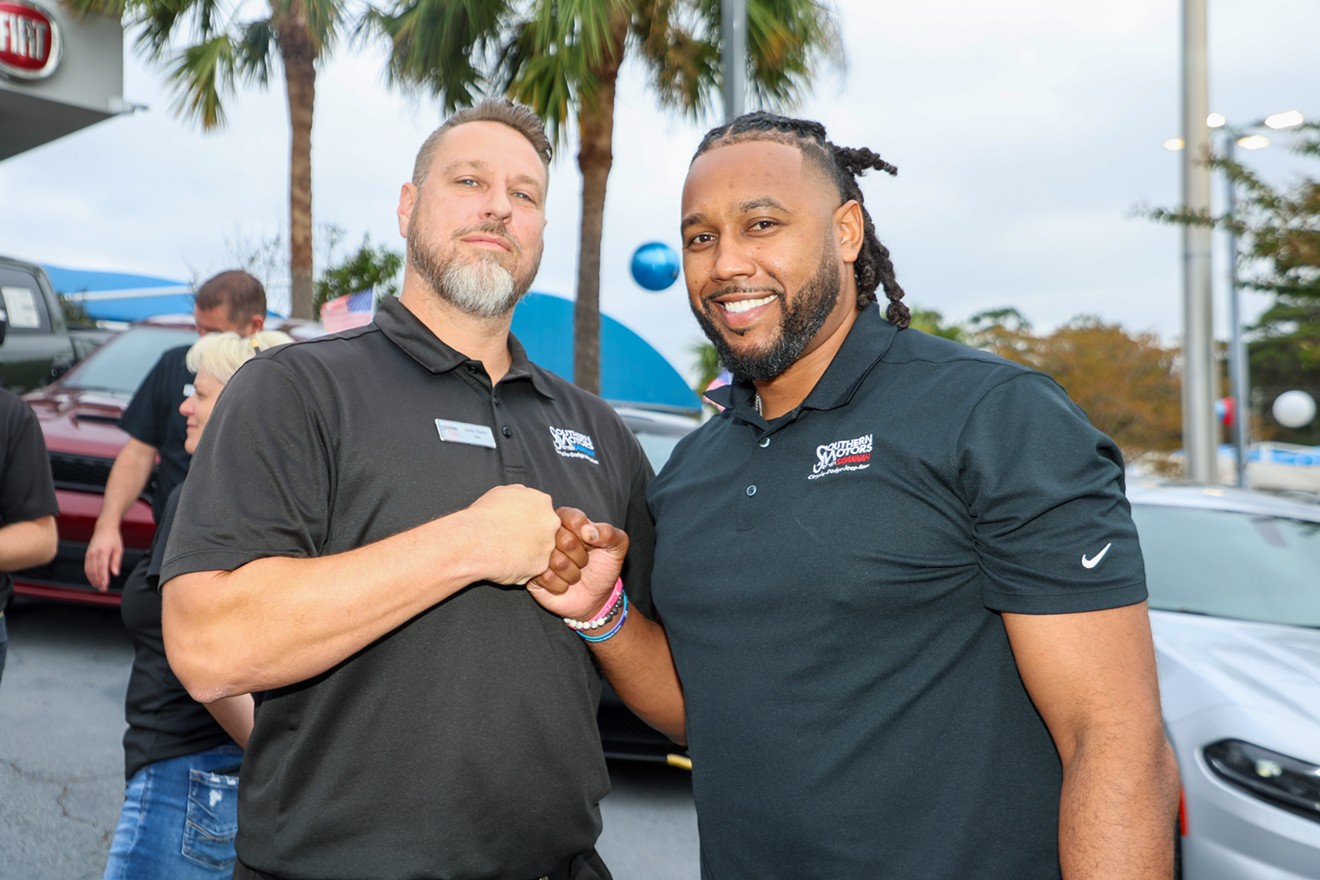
(123, 362)
(1230, 564)
(657, 446)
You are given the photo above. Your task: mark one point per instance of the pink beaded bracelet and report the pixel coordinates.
(606, 613)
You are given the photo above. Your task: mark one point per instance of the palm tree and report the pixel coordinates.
(219, 52)
(562, 59)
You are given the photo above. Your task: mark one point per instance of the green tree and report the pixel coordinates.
(706, 361)
(219, 52)
(562, 59)
(366, 268)
(1125, 382)
(932, 322)
(1278, 230)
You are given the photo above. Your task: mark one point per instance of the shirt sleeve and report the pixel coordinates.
(144, 417)
(641, 539)
(261, 481)
(27, 491)
(1053, 529)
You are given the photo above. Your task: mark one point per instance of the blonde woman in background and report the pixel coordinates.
(180, 811)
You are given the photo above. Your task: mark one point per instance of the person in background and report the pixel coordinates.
(181, 758)
(230, 301)
(28, 507)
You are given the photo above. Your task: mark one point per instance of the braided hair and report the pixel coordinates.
(842, 165)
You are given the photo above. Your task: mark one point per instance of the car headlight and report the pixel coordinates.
(1283, 781)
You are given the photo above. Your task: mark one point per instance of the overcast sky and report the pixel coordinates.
(1026, 134)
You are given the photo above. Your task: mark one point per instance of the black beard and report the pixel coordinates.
(801, 320)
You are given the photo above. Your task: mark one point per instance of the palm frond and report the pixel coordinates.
(320, 19)
(786, 42)
(110, 8)
(203, 76)
(255, 50)
(445, 46)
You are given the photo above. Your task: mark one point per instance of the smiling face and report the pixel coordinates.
(767, 254)
(475, 224)
(197, 407)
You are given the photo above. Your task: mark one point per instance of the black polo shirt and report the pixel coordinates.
(164, 721)
(26, 490)
(464, 743)
(153, 417)
(831, 586)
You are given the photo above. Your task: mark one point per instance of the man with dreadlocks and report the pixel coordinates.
(899, 577)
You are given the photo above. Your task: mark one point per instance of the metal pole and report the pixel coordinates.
(1198, 332)
(733, 17)
(1237, 348)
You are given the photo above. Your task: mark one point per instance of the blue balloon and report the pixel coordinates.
(655, 265)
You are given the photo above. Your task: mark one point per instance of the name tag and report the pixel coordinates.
(463, 432)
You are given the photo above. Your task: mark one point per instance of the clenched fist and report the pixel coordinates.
(516, 527)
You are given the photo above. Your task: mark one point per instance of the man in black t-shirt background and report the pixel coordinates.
(27, 501)
(230, 301)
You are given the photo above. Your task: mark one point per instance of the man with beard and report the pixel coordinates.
(899, 577)
(348, 545)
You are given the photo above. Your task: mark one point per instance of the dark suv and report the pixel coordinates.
(36, 345)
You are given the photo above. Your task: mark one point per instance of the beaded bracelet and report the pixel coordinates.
(606, 613)
(609, 635)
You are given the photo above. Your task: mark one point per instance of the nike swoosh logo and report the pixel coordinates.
(1095, 560)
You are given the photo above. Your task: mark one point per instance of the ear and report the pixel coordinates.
(407, 201)
(849, 230)
(254, 325)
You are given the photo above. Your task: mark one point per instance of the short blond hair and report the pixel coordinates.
(219, 355)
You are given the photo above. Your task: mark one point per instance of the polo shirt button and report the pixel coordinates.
(506, 431)
(751, 490)
(764, 442)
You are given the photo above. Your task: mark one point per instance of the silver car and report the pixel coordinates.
(1234, 579)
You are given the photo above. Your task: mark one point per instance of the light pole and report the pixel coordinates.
(733, 21)
(1198, 415)
(1245, 136)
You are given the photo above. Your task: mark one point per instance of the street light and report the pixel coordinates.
(1248, 138)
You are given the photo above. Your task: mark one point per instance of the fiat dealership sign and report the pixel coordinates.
(29, 41)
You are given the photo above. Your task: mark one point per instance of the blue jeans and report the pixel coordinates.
(4, 642)
(179, 819)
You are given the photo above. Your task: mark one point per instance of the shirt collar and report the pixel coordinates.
(415, 339)
(867, 343)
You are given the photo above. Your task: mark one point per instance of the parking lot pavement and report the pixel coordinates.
(61, 724)
(61, 760)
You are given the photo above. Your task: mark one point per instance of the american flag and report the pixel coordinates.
(724, 377)
(349, 310)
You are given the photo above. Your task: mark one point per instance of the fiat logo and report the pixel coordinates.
(29, 41)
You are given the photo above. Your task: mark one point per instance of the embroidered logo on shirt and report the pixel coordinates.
(842, 455)
(1095, 560)
(573, 444)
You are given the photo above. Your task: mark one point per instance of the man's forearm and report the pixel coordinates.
(28, 543)
(235, 715)
(1118, 812)
(128, 478)
(640, 668)
(277, 621)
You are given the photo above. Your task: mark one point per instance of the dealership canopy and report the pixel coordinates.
(632, 371)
